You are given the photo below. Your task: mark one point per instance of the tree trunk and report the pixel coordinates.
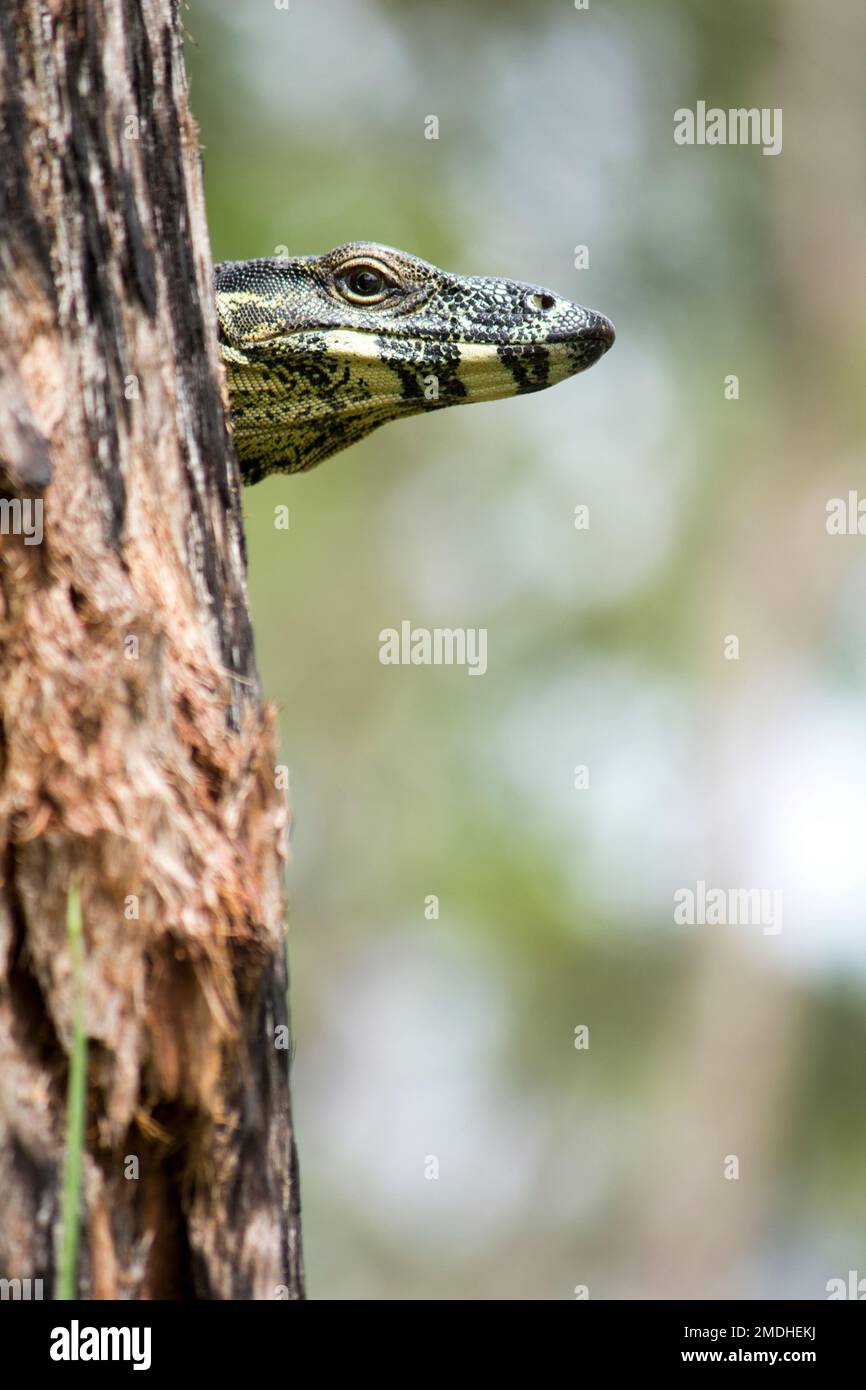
(136, 758)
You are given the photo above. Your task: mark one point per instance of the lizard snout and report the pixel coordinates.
(599, 330)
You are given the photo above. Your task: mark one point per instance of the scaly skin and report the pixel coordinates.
(320, 350)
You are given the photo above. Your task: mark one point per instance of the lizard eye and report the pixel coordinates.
(364, 283)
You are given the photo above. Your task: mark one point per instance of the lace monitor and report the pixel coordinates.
(320, 350)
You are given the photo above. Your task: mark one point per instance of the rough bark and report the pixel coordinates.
(135, 753)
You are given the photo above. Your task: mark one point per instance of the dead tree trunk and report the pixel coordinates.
(135, 755)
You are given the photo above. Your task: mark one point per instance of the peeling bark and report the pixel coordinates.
(134, 748)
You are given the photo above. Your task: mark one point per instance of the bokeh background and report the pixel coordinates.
(454, 1038)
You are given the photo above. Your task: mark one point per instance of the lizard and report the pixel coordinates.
(321, 350)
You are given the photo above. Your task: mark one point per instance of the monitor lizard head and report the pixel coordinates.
(320, 350)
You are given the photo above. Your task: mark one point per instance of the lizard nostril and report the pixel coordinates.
(538, 300)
